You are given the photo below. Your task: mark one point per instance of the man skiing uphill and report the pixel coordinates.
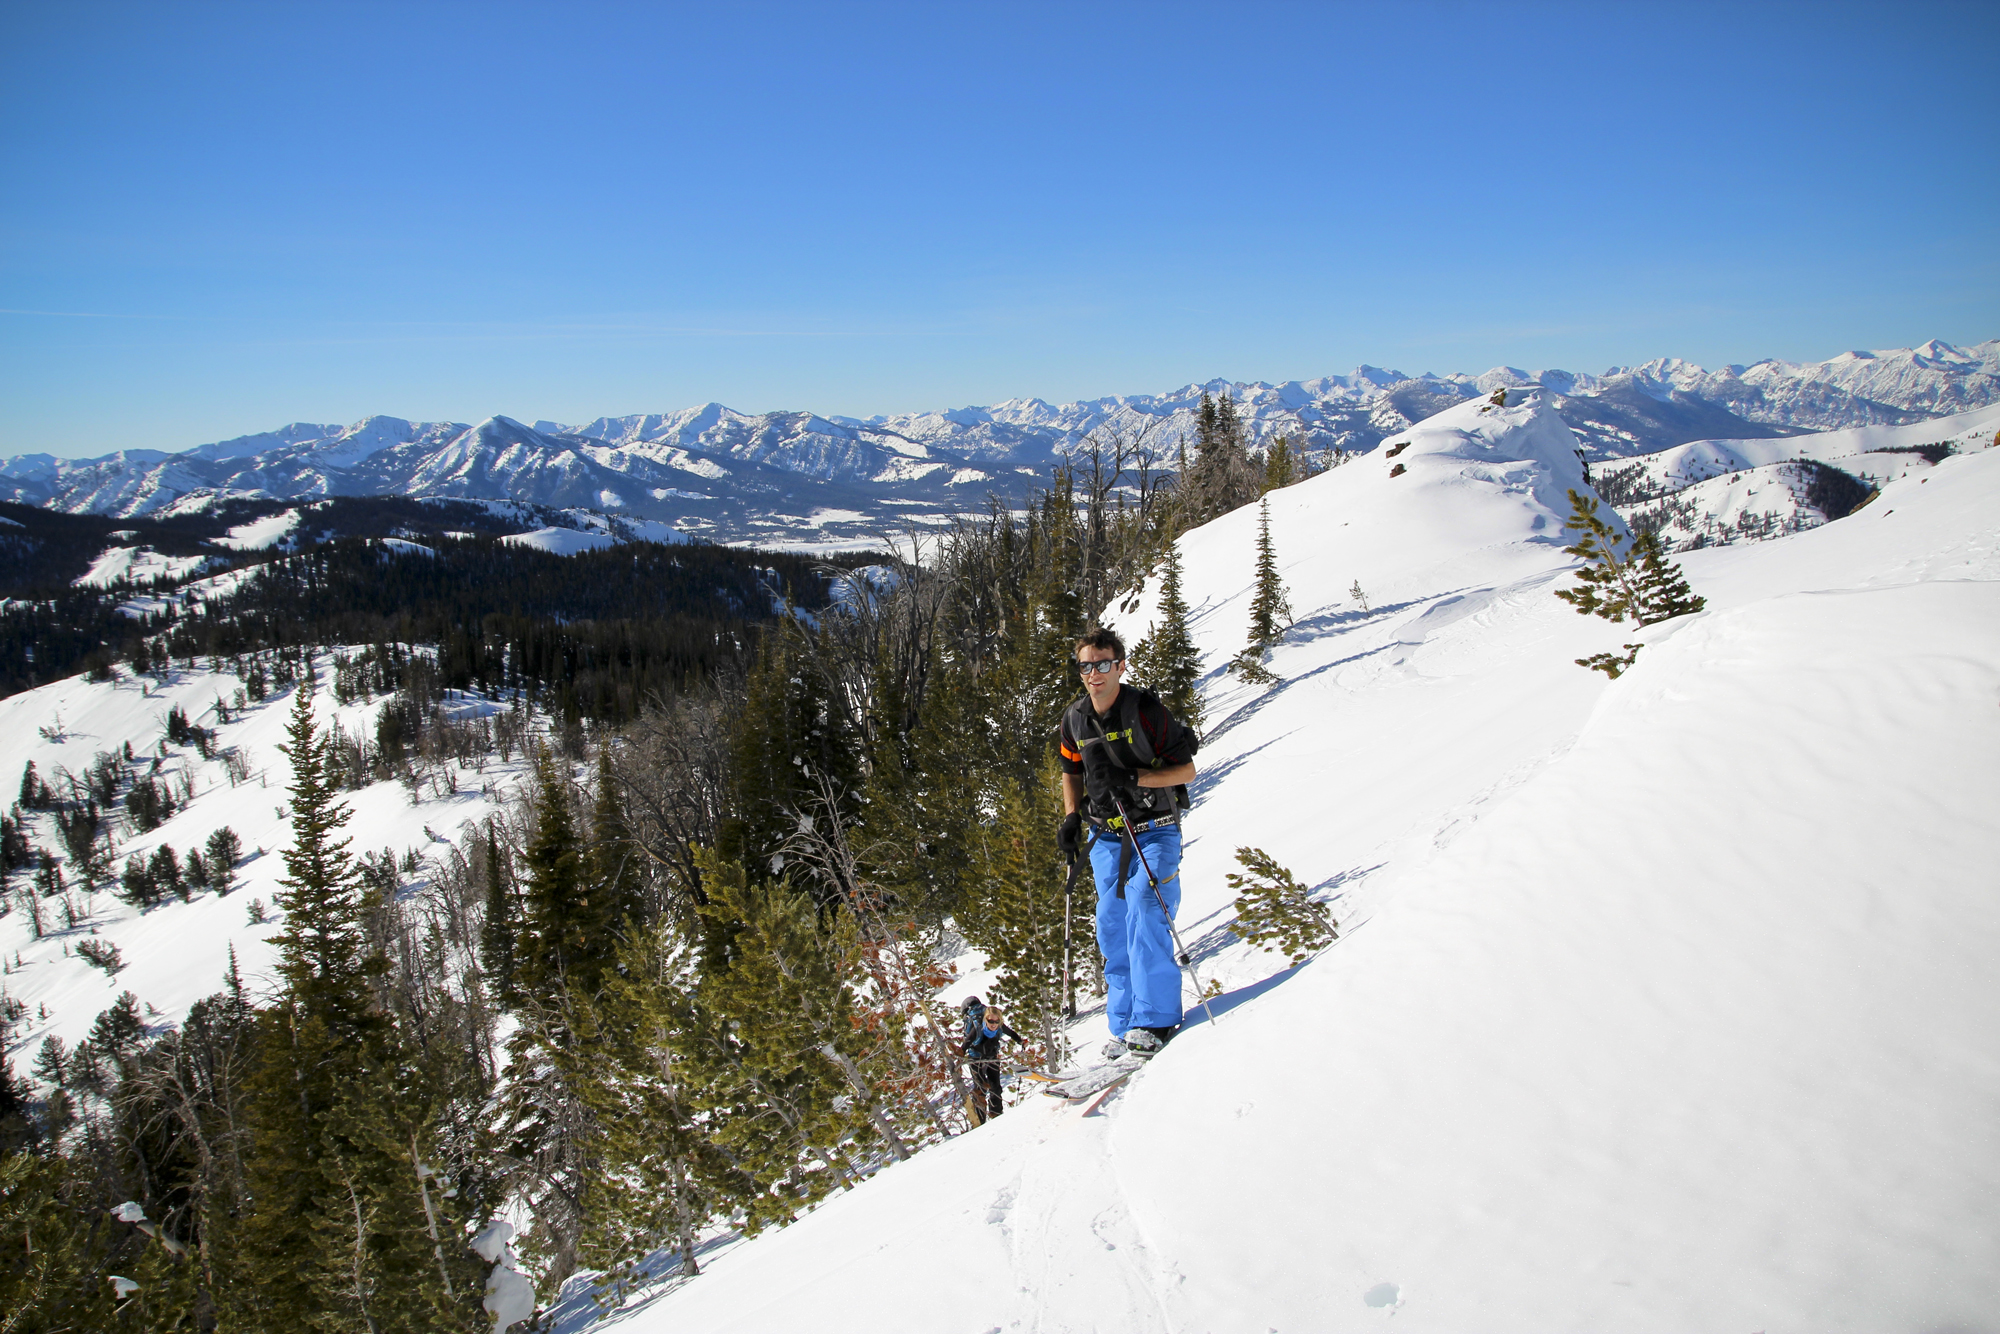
(1123, 757)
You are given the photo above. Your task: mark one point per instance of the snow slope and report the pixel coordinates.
(1664, 1003)
(177, 952)
(1687, 464)
(560, 541)
(138, 564)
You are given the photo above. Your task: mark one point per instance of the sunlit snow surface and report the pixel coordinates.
(1666, 1003)
(138, 564)
(560, 541)
(261, 533)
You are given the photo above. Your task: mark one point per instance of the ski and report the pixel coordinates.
(1097, 1080)
(1107, 1093)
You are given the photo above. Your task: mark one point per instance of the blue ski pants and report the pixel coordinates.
(1142, 983)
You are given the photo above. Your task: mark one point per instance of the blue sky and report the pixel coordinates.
(220, 218)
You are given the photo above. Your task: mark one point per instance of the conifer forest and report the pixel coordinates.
(689, 978)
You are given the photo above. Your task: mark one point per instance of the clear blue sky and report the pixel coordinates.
(218, 218)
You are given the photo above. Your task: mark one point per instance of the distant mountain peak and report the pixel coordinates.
(796, 476)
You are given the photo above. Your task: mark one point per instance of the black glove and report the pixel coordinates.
(1101, 774)
(1069, 838)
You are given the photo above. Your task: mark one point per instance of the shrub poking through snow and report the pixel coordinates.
(101, 954)
(1275, 911)
(1642, 583)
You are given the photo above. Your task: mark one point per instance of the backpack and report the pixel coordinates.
(1128, 737)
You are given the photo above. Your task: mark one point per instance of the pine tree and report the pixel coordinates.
(498, 931)
(564, 950)
(1642, 584)
(1167, 662)
(322, 953)
(565, 939)
(1270, 609)
(338, 1236)
(659, 1176)
(1274, 910)
(1283, 465)
(613, 870)
(1663, 588)
(1014, 915)
(772, 991)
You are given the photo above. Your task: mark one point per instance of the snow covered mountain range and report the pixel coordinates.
(789, 477)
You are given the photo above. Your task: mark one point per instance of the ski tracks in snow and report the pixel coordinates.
(1082, 1262)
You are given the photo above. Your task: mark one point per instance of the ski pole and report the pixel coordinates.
(1183, 957)
(1069, 973)
(1069, 897)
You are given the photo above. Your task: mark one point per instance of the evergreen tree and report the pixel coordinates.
(1167, 662)
(225, 849)
(1663, 589)
(1642, 584)
(1274, 910)
(659, 1176)
(613, 869)
(789, 730)
(563, 952)
(773, 990)
(498, 931)
(338, 1234)
(1014, 916)
(1283, 465)
(1270, 609)
(564, 939)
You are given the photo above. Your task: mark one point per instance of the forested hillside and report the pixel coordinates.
(675, 965)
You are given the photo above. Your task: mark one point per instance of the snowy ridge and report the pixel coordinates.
(1663, 1003)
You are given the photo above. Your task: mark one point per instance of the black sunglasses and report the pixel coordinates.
(1102, 665)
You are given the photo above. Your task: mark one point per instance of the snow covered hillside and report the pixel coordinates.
(1712, 492)
(1662, 1004)
(177, 952)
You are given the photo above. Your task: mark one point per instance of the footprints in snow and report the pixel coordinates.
(1003, 1204)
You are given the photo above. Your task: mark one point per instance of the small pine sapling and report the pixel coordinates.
(1359, 596)
(1270, 608)
(1642, 583)
(1274, 910)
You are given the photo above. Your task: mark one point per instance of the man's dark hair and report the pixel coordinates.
(1102, 638)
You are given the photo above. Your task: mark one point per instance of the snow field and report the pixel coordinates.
(1662, 1004)
(137, 564)
(560, 541)
(177, 952)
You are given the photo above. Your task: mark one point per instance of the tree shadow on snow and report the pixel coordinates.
(576, 1307)
(1322, 624)
(1264, 701)
(1219, 937)
(1205, 781)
